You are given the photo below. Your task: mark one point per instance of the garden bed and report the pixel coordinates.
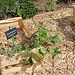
(63, 63)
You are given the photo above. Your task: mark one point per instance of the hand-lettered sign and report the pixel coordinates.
(11, 32)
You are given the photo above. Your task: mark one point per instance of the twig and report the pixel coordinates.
(33, 34)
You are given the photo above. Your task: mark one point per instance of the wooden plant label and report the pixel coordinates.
(11, 32)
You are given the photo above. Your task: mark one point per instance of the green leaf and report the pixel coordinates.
(34, 36)
(18, 48)
(44, 37)
(55, 49)
(30, 61)
(37, 24)
(2, 49)
(10, 55)
(14, 38)
(55, 53)
(9, 66)
(40, 54)
(55, 39)
(40, 51)
(24, 60)
(49, 21)
(47, 50)
(10, 44)
(27, 48)
(59, 28)
(34, 22)
(0, 43)
(34, 60)
(47, 31)
(35, 45)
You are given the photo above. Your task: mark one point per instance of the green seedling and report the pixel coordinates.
(37, 42)
(0, 43)
(55, 52)
(49, 21)
(59, 28)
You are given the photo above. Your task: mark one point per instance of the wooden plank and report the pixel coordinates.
(12, 20)
(16, 59)
(12, 71)
(21, 25)
(26, 31)
(18, 70)
(10, 24)
(73, 15)
(22, 68)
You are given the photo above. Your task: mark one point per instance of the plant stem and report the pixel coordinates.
(53, 62)
(13, 42)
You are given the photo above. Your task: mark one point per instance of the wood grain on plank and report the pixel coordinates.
(12, 20)
(74, 15)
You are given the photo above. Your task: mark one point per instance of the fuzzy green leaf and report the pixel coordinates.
(47, 50)
(55, 49)
(2, 49)
(27, 48)
(55, 53)
(0, 43)
(14, 38)
(34, 60)
(55, 39)
(34, 36)
(30, 61)
(37, 24)
(59, 28)
(18, 48)
(34, 22)
(40, 54)
(49, 21)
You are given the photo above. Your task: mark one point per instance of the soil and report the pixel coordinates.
(42, 5)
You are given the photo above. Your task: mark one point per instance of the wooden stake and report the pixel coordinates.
(20, 23)
(73, 15)
(22, 26)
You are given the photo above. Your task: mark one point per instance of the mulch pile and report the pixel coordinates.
(64, 64)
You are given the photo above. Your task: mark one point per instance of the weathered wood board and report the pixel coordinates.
(12, 20)
(17, 59)
(74, 15)
(22, 69)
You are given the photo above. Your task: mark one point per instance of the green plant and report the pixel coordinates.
(0, 43)
(7, 7)
(52, 5)
(13, 8)
(14, 48)
(45, 35)
(26, 9)
(35, 45)
(55, 52)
